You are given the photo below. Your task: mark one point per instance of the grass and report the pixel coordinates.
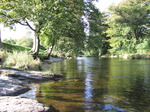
(12, 47)
(20, 60)
(15, 56)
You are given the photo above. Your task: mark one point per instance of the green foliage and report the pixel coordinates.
(51, 19)
(144, 46)
(65, 26)
(129, 27)
(21, 60)
(25, 42)
(11, 47)
(96, 37)
(3, 54)
(120, 46)
(69, 46)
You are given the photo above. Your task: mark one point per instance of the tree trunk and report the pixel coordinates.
(36, 45)
(50, 49)
(136, 35)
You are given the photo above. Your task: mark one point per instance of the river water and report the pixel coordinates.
(97, 85)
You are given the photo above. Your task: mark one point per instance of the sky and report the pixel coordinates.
(104, 4)
(22, 31)
(19, 32)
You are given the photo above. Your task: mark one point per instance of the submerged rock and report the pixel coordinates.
(18, 104)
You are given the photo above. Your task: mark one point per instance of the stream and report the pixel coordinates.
(96, 85)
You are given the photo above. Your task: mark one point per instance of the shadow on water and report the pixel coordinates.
(98, 85)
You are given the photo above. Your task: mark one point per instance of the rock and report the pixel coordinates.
(18, 104)
(28, 77)
(14, 82)
(11, 86)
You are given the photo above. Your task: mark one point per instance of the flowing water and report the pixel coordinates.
(97, 85)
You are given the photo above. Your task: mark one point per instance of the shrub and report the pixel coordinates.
(144, 46)
(21, 60)
(25, 42)
(3, 55)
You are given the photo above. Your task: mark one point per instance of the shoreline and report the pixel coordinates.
(129, 56)
(16, 82)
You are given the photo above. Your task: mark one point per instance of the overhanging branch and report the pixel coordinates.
(30, 26)
(10, 19)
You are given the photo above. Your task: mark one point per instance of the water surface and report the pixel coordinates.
(98, 85)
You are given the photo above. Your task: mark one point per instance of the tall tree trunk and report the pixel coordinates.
(36, 45)
(50, 49)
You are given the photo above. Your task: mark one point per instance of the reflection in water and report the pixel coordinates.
(88, 93)
(98, 85)
(31, 93)
(82, 64)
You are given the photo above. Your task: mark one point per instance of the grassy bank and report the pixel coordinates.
(12, 47)
(14, 56)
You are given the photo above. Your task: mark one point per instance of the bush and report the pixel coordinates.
(3, 54)
(143, 47)
(21, 60)
(25, 42)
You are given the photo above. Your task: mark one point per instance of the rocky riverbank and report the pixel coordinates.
(13, 83)
(18, 104)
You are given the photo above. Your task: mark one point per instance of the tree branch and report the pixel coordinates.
(10, 19)
(30, 26)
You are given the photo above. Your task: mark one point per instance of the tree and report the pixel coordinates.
(66, 25)
(39, 15)
(128, 25)
(96, 36)
(67, 32)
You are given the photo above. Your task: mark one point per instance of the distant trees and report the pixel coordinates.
(95, 39)
(129, 27)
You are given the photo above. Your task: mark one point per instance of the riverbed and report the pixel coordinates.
(96, 85)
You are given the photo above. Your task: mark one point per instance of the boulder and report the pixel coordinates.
(18, 104)
(11, 86)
